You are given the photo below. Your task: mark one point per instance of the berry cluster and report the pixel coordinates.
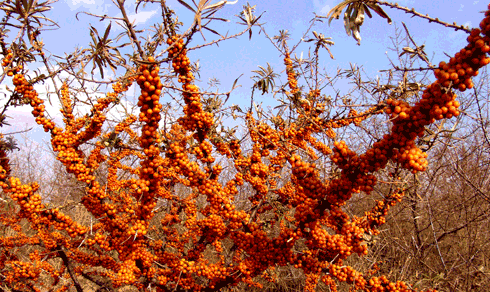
(7, 63)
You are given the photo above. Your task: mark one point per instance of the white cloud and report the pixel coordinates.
(93, 6)
(139, 18)
(76, 2)
(142, 17)
(323, 7)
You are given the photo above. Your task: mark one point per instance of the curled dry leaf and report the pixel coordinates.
(354, 15)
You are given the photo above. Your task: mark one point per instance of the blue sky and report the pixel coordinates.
(237, 56)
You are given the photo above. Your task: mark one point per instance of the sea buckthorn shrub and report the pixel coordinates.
(144, 233)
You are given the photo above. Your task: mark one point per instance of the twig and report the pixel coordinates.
(88, 277)
(415, 13)
(130, 28)
(435, 239)
(66, 262)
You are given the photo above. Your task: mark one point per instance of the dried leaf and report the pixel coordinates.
(356, 34)
(220, 4)
(213, 31)
(354, 15)
(379, 11)
(187, 6)
(360, 16)
(335, 12)
(367, 11)
(106, 33)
